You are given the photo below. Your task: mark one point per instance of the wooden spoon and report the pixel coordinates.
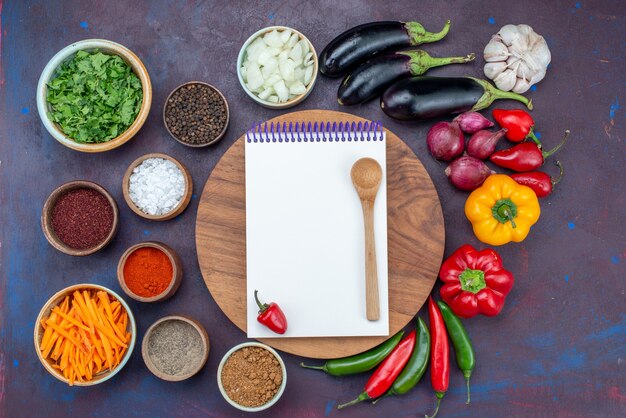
(366, 175)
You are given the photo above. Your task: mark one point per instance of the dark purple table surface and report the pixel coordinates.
(557, 350)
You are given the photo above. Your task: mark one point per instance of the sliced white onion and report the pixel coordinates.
(308, 75)
(287, 68)
(273, 39)
(255, 78)
(308, 59)
(281, 91)
(293, 40)
(278, 66)
(285, 35)
(305, 46)
(269, 68)
(266, 93)
(296, 52)
(297, 88)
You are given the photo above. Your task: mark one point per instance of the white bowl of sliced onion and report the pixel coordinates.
(277, 67)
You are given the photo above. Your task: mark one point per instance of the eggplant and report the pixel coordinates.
(370, 79)
(364, 41)
(429, 97)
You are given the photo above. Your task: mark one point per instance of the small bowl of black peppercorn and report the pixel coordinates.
(196, 114)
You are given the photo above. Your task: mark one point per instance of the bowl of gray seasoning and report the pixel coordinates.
(175, 348)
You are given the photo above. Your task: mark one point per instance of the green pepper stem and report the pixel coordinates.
(421, 61)
(322, 368)
(419, 35)
(382, 397)
(363, 396)
(546, 154)
(467, 374)
(507, 213)
(556, 180)
(534, 138)
(492, 93)
(262, 306)
(439, 396)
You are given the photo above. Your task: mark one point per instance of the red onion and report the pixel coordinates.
(471, 122)
(483, 143)
(445, 140)
(468, 173)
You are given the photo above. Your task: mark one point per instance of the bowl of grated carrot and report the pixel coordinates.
(85, 334)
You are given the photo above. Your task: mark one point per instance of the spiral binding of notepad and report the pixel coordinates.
(266, 132)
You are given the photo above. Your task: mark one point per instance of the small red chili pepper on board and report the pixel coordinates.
(541, 183)
(271, 316)
(523, 157)
(439, 354)
(518, 123)
(387, 371)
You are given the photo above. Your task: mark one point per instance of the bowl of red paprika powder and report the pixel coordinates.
(79, 218)
(149, 272)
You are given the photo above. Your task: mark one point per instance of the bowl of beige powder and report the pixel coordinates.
(175, 348)
(252, 377)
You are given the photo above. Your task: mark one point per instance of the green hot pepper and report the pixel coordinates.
(416, 366)
(462, 344)
(359, 363)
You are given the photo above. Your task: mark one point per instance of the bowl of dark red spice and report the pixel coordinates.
(175, 348)
(79, 218)
(196, 114)
(252, 377)
(149, 272)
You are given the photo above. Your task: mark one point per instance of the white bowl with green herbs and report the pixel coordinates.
(94, 95)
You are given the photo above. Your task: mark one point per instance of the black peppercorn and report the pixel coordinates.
(196, 114)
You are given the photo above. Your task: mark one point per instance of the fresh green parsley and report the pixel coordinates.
(94, 97)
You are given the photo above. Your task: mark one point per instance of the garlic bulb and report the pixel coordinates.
(517, 57)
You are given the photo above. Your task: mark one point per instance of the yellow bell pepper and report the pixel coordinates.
(502, 210)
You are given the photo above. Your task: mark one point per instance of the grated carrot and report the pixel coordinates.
(84, 335)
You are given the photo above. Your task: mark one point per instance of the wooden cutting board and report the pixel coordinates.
(415, 240)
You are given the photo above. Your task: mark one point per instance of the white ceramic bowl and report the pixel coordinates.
(58, 298)
(276, 397)
(107, 47)
(265, 103)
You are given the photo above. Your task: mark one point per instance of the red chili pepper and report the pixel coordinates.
(541, 183)
(519, 124)
(474, 282)
(525, 156)
(439, 353)
(387, 371)
(271, 316)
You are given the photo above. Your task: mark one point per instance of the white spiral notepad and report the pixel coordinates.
(305, 242)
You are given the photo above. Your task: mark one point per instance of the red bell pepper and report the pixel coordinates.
(474, 282)
(439, 354)
(518, 123)
(387, 371)
(541, 183)
(271, 316)
(525, 156)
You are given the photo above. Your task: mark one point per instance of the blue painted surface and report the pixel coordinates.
(557, 349)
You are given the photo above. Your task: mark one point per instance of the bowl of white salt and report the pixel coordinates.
(175, 348)
(157, 187)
